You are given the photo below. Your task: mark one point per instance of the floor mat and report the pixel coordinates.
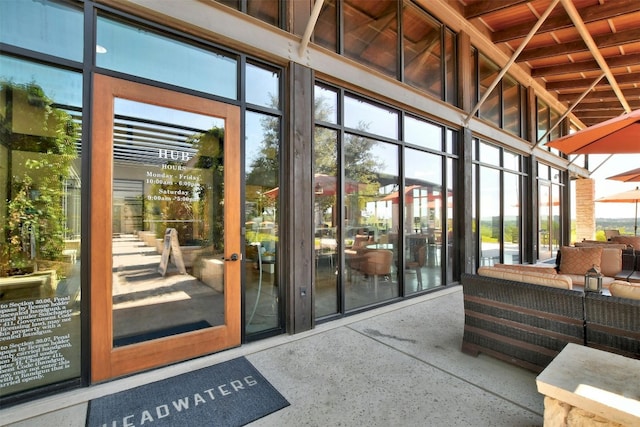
(231, 393)
(160, 333)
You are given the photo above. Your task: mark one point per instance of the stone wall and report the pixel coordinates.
(557, 414)
(585, 209)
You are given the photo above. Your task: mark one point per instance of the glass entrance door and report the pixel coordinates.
(165, 227)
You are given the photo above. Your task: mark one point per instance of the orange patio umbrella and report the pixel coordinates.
(620, 135)
(628, 176)
(631, 196)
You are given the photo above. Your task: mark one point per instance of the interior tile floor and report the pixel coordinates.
(399, 364)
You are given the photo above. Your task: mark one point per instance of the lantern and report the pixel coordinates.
(593, 280)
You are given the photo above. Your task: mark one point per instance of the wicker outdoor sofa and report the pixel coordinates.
(529, 324)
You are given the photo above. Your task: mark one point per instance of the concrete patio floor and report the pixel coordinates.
(395, 365)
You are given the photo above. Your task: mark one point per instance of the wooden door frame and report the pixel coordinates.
(106, 361)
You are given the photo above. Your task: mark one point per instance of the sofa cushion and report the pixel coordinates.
(600, 243)
(535, 268)
(578, 280)
(579, 260)
(544, 279)
(619, 288)
(633, 241)
(611, 261)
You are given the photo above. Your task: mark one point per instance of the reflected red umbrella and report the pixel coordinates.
(323, 185)
(394, 195)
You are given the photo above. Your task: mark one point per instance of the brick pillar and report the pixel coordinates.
(585, 209)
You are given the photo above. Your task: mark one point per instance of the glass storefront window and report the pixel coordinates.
(473, 81)
(424, 203)
(372, 221)
(543, 171)
(422, 133)
(543, 121)
(326, 30)
(40, 253)
(450, 140)
(265, 10)
(555, 133)
(511, 161)
(490, 232)
(512, 106)
(262, 87)
(326, 105)
(50, 27)
(450, 51)
(511, 219)
(143, 53)
(404, 228)
(371, 34)
(326, 220)
(368, 32)
(489, 154)
(262, 195)
(422, 44)
(545, 222)
(448, 238)
(500, 197)
(367, 117)
(490, 109)
(555, 219)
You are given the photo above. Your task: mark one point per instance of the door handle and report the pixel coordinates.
(233, 257)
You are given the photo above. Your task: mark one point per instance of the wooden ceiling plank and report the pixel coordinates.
(601, 95)
(585, 66)
(451, 16)
(627, 78)
(593, 48)
(608, 105)
(601, 41)
(589, 14)
(587, 115)
(481, 8)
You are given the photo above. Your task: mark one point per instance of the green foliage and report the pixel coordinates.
(35, 225)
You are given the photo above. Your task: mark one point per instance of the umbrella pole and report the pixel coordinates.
(635, 225)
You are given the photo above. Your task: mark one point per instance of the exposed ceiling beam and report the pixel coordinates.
(601, 95)
(600, 115)
(585, 66)
(595, 122)
(593, 48)
(512, 60)
(626, 78)
(589, 14)
(602, 41)
(480, 8)
(609, 105)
